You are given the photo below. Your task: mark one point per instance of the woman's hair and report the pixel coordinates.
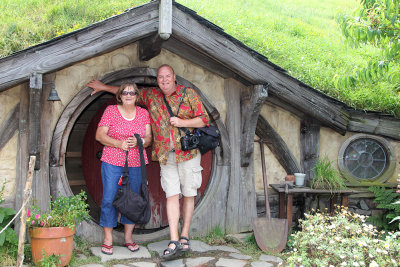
(122, 88)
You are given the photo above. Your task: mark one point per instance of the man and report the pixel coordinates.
(180, 170)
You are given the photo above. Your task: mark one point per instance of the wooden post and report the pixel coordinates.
(27, 195)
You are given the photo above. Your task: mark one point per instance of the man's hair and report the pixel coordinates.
(165, 65)
(122, 88)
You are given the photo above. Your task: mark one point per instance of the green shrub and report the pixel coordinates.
(326, 176)
(342, 240)
(385, 199)
(8, 238)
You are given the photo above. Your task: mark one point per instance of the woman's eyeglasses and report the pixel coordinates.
(132, 93)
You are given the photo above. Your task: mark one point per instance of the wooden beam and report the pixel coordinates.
(35, 95)
(22, 148)
(150, 47)
(209, 39)
(83, 44)
(309, 146)
(165, 19)
(277, 146)
(241, 203)
(374, 123)
(250, 112)
(9, 126)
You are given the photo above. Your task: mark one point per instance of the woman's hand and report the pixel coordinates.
(132, 141)
(124, 145)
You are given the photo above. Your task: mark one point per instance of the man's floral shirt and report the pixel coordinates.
(191, 107)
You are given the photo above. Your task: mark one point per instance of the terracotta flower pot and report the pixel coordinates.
(54, 240)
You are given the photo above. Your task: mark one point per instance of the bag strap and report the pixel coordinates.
(125, 172)
(142, 162)
(171, 114)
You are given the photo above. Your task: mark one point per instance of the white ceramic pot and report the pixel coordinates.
(299, 178)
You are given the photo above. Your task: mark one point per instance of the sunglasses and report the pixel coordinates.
(132, 93)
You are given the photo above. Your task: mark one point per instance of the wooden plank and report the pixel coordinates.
(22, 149)
(250, 112)
(374, 123)
(233, 117)
(257, 69)
(42, 186)
(241, 201)
(277, 146)
(73, 154)
(9, 126)
(201, 58)
(309, 146)
(83, 44)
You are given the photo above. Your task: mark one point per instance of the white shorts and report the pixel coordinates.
(181, 178)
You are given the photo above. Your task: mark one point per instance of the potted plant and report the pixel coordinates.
(52, 232)
(326, 176)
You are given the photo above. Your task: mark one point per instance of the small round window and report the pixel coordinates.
(366, 158)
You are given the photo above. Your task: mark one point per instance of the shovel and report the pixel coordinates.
(270, 233)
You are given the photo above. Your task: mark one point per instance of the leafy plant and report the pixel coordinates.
(64, 211)
(385, 199)
(342, 240)
(49, 260)
(8, 236)
(375, 23)
(397, 203)
(326, 176)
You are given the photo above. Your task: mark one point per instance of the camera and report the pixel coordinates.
(189, 141)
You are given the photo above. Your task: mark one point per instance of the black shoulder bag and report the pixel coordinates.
(135, 207)
(204, 138)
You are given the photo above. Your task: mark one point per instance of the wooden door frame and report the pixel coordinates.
(59, 185)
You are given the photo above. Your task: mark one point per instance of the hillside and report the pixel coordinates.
(300, 36)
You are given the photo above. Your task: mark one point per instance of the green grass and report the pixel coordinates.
(300, 36)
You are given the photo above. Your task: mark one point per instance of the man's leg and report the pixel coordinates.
(188, 208)
(173, 214)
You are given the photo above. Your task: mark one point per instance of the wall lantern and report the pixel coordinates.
(53, 96)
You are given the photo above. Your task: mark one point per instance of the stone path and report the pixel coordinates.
(201, 255)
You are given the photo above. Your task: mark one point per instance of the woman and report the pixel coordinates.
(116, 131)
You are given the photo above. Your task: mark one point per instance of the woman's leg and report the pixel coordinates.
(110, 175)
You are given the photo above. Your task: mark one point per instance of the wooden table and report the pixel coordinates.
(343, 194)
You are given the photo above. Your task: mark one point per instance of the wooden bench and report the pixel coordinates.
(343, 194)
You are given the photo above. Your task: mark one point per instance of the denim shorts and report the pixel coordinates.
(110, 175)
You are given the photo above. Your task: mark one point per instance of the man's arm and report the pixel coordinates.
(98, 86)
(188, 123)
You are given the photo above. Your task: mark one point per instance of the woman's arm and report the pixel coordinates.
(103, 138)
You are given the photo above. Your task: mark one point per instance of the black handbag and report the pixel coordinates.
(135, 207)
(208, 138)
(204, 138)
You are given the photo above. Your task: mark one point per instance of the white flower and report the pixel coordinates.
(373, 264)
(342, 256)
(344, 263)
(356, 264)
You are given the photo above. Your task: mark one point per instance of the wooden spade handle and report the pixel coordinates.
(267, 207)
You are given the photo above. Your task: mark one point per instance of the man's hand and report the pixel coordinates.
(97, 86)
(177, 122)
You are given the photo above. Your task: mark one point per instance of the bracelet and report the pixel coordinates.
(143, 141)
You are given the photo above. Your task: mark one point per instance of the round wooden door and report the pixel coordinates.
(91, 166)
